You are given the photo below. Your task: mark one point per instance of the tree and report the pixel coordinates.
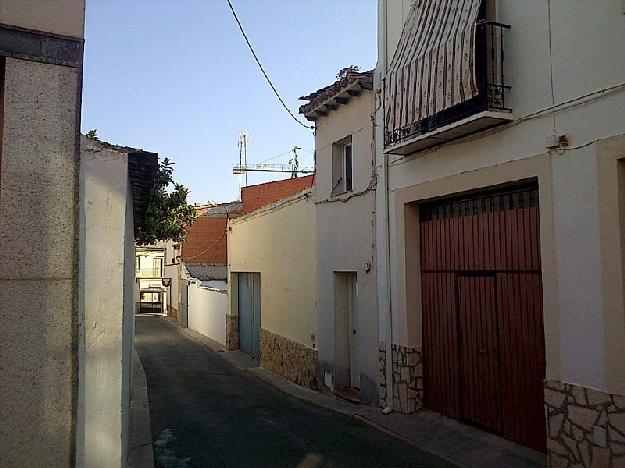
(168, 215)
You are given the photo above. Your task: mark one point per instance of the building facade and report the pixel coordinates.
(152, 292)
(500, 219)
(41, 53)
(199, 271)
(272, 287)
(344, 194)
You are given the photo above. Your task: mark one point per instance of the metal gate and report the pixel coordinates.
(249, 313)
(150, 301)
(483, 340)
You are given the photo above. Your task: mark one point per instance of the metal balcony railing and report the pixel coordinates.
(149, 273)
(492, 88)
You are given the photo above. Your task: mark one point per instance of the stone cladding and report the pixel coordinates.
(291, 360)
(407, 378)
(585, 427)
(174, 314)
(232, 332)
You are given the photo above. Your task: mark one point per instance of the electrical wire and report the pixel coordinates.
(275, 91)
(275, 157)
(213, 244)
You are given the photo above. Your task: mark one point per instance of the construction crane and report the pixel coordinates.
(292, 167)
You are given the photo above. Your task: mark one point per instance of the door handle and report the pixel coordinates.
(483, 351)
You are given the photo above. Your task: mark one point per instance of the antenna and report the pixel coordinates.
(243, 137)
(294, 162)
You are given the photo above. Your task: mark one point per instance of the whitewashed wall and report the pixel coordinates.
(106, 264)
(208, 303)
(345, 237)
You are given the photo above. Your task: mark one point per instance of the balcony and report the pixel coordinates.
(149, 272)
(484, 110)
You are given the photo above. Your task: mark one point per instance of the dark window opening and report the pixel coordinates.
(348, 168)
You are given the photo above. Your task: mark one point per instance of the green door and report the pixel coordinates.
(249, 313)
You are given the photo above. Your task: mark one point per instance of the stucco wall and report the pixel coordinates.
(345, 236)
(65, 17)
(208, 308)
(38, 201)
(279, 243)
(107, 275)
(584, 335)
(128, 323)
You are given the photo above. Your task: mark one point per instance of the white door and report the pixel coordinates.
(346, 367)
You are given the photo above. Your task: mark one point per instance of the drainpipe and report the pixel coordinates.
(389, 324)
(389, 303)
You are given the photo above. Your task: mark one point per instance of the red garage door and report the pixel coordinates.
(483, 342)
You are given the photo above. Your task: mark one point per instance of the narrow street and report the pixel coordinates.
(205, 412)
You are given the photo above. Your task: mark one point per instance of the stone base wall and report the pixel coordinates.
(232, 332)
(174, 314)
(289, 359)
(585, 427)
(407, 378)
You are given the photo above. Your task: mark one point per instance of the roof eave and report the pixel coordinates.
(355, 88)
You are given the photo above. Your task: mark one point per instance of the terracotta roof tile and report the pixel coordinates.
(336, 94)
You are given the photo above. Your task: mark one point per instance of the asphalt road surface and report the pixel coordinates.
(204, 412)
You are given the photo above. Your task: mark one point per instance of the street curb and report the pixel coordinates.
(140, 451)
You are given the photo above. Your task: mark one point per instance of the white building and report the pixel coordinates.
(344, 194)
(272, 287)
(500, 218)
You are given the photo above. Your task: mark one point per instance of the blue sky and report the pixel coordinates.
(175, 77)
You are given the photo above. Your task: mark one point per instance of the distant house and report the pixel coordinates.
(344, 197)
(151, 292)
(197, 271)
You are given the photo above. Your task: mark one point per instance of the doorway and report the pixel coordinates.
(481, 288)
(249, 313)
(346, 365)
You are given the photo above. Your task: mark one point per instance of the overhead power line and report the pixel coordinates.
(275, 91)
(276, 156)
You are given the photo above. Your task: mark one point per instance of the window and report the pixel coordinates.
(342, 166)
(157, 267)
